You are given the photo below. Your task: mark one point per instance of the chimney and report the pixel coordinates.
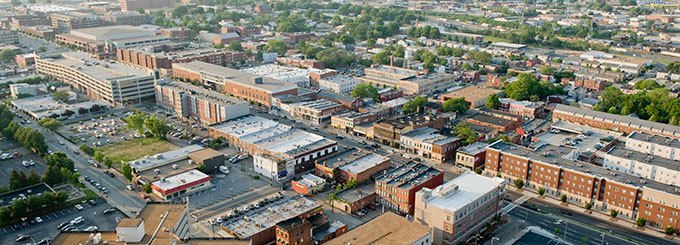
(391, 60)
(324, 163)
(257, 80)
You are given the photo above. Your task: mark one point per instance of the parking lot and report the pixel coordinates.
(17, 162)
(48, 228)
(97, 132)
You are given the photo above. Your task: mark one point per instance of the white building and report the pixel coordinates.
(339, 83)
(274, 167)
(24, 88)
(460, 207)
(180, 184)
(654, 144)
(643, 165)
(287, 74)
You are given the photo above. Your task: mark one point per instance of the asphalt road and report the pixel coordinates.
(119, 196)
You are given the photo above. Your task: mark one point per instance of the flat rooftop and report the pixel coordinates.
(277, 71)
(491, 119)
(112, 32)
(471, 93)
(317, 105)
(205, 94)
(557, 156)
(310, 180)
(363, 163)
(508, 45)
(618, 119)
(587, 137)
(644, 158)
(44, 105)
(408, 175)
(173, 182)
(340, 79)
(473, 149)
(356, 194)
(402, 122)
(653, 138)
(394, 70)
(243, 78)
(388, 228)
(160, 159)
(432, 76)
(272, 135)
(462, 190)
(6, 198)
(269, 217)
(97, 69)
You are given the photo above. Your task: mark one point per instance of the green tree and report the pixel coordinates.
(179, 11)
(87, 150)
(519, 183)
(541, 191)
(126, 170)
(7, 55)
(641, 222)
(108, 162)
(457, 105)
(99, 156)
(465, 132)
(60, 160)
(34, 202)
(49, 123)
(563, 198)
(219, 45)
(647, 84)
(347, 39)
(669, 230)
(19, 207)
(492, 102)
(136, 122)
(613, 213)
(17, 179)
(589, 205)
(140, 10)
(5, 213)
(525, 86)
(235, 46)
(33, 178)
(52, 176)
(42, 49)
(276, 45)
(547, 70)
(414, 104)
(478, 170)
(60, 96)
(365, 91)
(158, 127)
(147, 188)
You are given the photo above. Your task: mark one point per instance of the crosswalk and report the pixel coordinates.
(516, 203)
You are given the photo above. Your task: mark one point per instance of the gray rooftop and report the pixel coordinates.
(655, 138)
(474, 149)
(644, 158)
(97, 69)
(205, 94)
(268, 84)
(408, 175)
(619, 119)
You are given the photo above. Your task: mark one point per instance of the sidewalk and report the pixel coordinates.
(651, 231)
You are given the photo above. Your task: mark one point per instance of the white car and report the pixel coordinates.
(79, 207)
(61, 142)
(91, 228)
(38, 219)
(25, 163)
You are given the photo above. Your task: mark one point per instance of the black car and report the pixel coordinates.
(24, 224)
(109, 210)
(31, 222)
(565, 212)
(44, 241)
(112, 175)
(16, 226)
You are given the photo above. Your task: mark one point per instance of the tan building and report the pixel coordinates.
(259, 90)
(459, 208)
(114, 83)
(474, 94)
(132, 5)
(354, 164)
(409, 81)
(64, 22)
(388, 228)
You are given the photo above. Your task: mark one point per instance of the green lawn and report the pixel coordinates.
(494, 39)
(90, 195)
(135, 149)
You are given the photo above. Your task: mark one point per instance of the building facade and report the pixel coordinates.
(397, 189)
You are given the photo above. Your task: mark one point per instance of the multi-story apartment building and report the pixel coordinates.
(553, 168)
(339, 83)
(114, 83)
(388, 131)
(205, 106)
(317, 111)
(237, 83)
(642, 165)
(103, 41)
(409, 81)
(18, 21)
(397, 188)
(527, 109)
(146, 58)
(472, 156)
(498, 120)
(132, 5)
(460, 207)
(64, 22)
(428, 143)
(299, 61)
(132, 18)
(44, 32)
(8, 36)
(614, 122)
(293, 75)
(654, 144)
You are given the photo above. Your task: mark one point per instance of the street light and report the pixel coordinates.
(494, 238)
(602, 235)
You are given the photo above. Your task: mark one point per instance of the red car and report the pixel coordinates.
(17, 154)
(143, 196)
(22, 238)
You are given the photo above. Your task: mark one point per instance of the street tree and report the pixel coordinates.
(613, 213)
(457, 105)
(49, 123)
(147, 188)
(492, 102)
(60, 160)
(465, 132)
(519, 183)
(126, 171)
(365, 91)
(87, 150)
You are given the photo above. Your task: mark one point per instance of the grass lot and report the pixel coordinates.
(134, 149)
(494, 39)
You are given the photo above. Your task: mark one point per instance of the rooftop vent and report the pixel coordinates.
(257, 80)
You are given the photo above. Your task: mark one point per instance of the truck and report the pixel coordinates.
(224, 169)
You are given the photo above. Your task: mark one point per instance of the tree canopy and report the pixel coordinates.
(276, 45)
(413, 105)
(458, 105)
(492, 101)
(365, 91)
(647, 84)
(465, 132)
(527, 86)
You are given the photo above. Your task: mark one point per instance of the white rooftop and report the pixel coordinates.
(310, 180)
(97, 69)
(277, 71)
(461, 191)
(175, 181)
(161, 159)
(364, 163)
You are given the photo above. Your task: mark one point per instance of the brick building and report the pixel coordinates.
(294, 231)
(428, 143)
(132, 5)
(397, 188)
(352, 163)
(237, 83)
(389, 131)
(471, 156)
(154, 60)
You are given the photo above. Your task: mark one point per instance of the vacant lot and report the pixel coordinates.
(134, 149)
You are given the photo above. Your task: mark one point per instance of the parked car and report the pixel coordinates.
(38, 219)
(22, 238)
(79, 207)
(109, 210)
(62, 225)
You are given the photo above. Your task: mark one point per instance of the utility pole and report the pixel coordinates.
(602, 242)
(565, 230)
